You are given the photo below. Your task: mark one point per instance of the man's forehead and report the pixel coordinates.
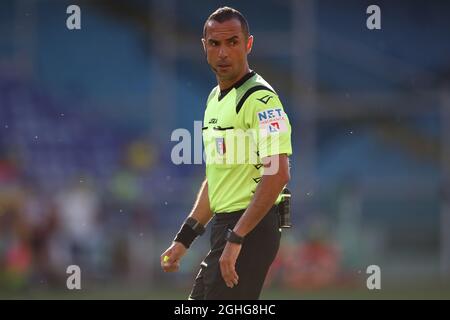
(223, 30)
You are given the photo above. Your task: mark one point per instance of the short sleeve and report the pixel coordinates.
(265, 116)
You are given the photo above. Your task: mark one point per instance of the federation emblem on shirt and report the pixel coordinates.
(220, 146)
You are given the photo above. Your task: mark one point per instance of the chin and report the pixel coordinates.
(226, 75)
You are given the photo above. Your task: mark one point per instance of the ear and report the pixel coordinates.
(204, 44)
(249, 44)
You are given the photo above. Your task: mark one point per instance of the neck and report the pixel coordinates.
(225, 84)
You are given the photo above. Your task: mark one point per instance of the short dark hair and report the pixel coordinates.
(226, 13)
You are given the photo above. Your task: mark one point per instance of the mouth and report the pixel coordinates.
(223, 66)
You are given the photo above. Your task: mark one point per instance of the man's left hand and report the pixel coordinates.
(228, 262)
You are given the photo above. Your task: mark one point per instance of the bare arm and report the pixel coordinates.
(201, 210)
(202, 213)
(265, 195)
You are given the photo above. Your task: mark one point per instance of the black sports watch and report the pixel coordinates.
(233, 237)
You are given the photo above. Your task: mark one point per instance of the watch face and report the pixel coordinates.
(233, 237)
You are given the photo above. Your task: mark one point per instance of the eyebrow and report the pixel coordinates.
(229, 39)
(232, 38)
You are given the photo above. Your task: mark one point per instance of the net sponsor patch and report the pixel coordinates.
(272, 120)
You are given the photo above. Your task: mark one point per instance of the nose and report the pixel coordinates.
(223, 52)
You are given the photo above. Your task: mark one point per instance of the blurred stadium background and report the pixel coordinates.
(85, 124)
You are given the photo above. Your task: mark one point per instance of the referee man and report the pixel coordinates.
(241, 197)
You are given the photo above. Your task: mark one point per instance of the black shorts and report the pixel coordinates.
(257, 254)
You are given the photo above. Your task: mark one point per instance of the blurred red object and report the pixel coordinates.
(8, 171)
(18, 258)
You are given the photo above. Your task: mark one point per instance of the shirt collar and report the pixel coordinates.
(237, 84)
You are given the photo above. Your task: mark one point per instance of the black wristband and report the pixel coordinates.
(233, 237)
(195, 225)
(189, 231)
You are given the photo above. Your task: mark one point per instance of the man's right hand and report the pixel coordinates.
(174, 253)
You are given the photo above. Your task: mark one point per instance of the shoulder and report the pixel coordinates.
(258, 93)
(212, 94)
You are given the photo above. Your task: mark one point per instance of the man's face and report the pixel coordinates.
(226, 48)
